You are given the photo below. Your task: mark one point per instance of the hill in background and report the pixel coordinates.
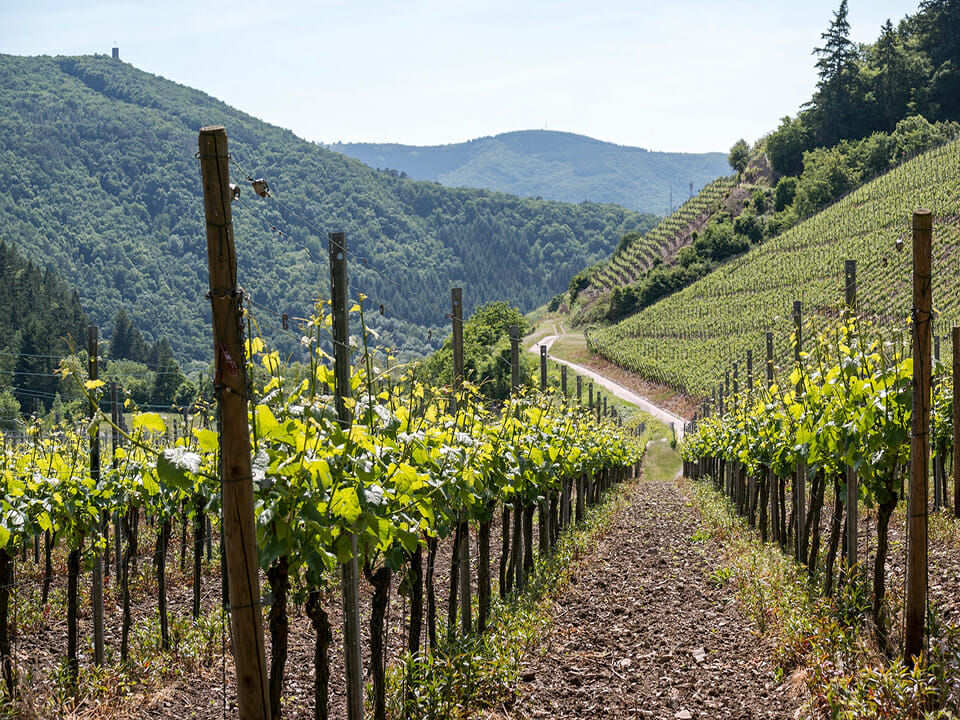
(99, 182)
(553, 165)
(689, 339)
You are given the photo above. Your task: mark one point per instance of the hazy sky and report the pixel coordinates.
(688, 75)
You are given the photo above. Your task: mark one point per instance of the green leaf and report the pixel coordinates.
(150, 422)
(174, 464)
(346, 505)
(207, 439)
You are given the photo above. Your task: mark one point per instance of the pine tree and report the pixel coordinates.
(940, 38)
(836, 104)
(891, 87)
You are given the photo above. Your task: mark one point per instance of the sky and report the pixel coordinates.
(681, 76)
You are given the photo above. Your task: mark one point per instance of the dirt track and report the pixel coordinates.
(642, 633)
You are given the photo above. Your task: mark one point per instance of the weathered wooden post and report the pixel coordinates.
(955, 334)
(463, 549)
(850, 298)
(116, 419)
(938, 495)
(350, 571)
(563, 381)
(800, 481)
(579, 390)
(752, 479)
(96, 592)
(240, 539)
(515, 358)
(916, 601)
(768, 494)
(543, 368)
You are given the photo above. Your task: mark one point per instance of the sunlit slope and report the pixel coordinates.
(689, 339)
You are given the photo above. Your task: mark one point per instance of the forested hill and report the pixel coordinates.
(98, 181)
(554, 165)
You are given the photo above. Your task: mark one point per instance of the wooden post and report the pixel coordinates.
(466, 621)
(735, 466)
(96, 592)
(934, 381)
(543, 368)
(563, 381)
(116, 418)
(773, 481)
(590, 397)
(579, 390)
(750, 500)
(799, 490)
(736, 386)
(769, 360)
(956, 420)
(852, 531)
(240, 539)
(341, 374)
(916, 602)
(515, 358)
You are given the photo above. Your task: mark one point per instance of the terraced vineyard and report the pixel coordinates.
(689, 339)
(665, 239)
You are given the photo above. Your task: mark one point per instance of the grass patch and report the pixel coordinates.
(661, 462)
(826, 644)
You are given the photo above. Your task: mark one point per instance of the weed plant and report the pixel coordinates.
(825, 645)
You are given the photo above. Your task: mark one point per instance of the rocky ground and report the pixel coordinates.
(642, 632)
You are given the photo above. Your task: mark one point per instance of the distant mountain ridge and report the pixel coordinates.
(552, 165)
(99, 183)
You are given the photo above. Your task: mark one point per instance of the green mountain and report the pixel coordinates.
(99, 181)
(554, 165)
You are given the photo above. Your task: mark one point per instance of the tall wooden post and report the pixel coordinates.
(736, 386)
(850, 284)
(955, 334)
(543, 368)
(563, 381)
(579, 390)
(916, 602)
(341, 374)
(240, 538)
(799, 490)
(938, 494)
(769, 360)
(852, 531)
(96, 592)
(590, 397)
(773, 481)
(515, 358)
(466, 620)
(116, 418)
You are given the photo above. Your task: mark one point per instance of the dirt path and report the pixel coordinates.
(665, 416)
(642, 633)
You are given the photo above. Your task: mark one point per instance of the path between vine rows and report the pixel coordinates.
(665, 416)
(641, 632)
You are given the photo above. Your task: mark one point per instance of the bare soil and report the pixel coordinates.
(642, 633)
